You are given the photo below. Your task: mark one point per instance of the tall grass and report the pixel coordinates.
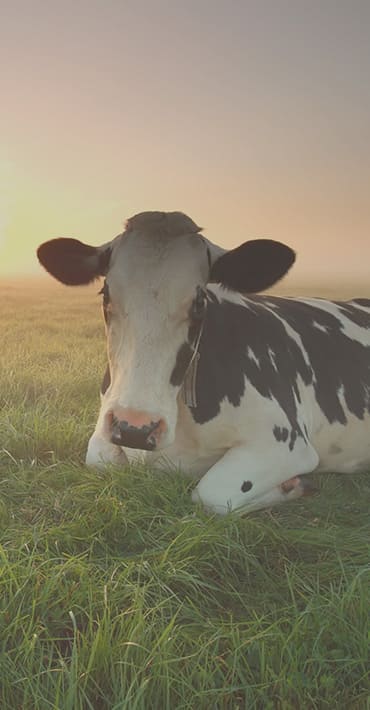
(116, 593)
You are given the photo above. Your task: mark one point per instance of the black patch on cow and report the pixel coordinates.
(356, 315)
(253, 266)
(281, 433)
(362, 302)
(293, 438)
(246, 486)
(106, 381)
(224, 366)
(339, 362)
(198, 307)
(104, 261)
(183, 359)
(333, 361)
(186, 351)
(209, 258)
(106, 300)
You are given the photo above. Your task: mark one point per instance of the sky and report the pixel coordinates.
(252, 116)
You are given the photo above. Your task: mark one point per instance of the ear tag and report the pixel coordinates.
(189, 394)
(190, 381)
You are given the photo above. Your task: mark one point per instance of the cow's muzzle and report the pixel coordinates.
(136, 437)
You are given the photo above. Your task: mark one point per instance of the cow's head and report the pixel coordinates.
(154, 303)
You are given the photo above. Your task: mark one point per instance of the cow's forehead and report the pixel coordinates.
(144, 263)
(172, 224)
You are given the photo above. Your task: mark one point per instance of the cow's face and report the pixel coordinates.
(154, 303)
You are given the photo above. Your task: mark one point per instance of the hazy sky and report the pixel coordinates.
(252, 117)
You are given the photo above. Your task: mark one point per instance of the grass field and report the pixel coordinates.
(115, 593)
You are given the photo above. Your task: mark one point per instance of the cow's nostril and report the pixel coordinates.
(135, 437)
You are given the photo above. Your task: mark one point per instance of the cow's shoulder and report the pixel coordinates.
(244, 340)
(272, 341)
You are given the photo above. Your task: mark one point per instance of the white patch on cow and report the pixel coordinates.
(347, 326)
(352, 440)
(272, 357)
(252, 356)
(360, 306)
(224, 294)
(343, 448)
(319, 326)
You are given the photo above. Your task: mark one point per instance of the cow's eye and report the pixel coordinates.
(199, 305)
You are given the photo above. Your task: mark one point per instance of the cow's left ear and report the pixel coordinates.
(72, 262)
(253, 266)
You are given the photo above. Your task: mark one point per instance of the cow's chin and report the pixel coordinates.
(164, 441)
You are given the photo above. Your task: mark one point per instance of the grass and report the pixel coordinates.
(116, 593)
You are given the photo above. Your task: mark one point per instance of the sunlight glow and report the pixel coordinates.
(250, 135)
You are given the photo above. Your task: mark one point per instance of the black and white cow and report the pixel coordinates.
(244, 392)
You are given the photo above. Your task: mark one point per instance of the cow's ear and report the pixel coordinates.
(254, 266)
(72, 262)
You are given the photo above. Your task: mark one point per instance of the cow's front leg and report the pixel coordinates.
(292, 489)
(100, 452)
(249, 478)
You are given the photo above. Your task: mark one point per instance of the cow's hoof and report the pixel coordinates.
(297, 487)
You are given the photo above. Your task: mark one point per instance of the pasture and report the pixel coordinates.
(116, 593)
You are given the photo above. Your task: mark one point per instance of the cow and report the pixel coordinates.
(246, 392)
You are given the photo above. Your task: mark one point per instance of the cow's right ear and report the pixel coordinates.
(72, 262)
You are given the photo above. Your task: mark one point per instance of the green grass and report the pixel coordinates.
(116, 593)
